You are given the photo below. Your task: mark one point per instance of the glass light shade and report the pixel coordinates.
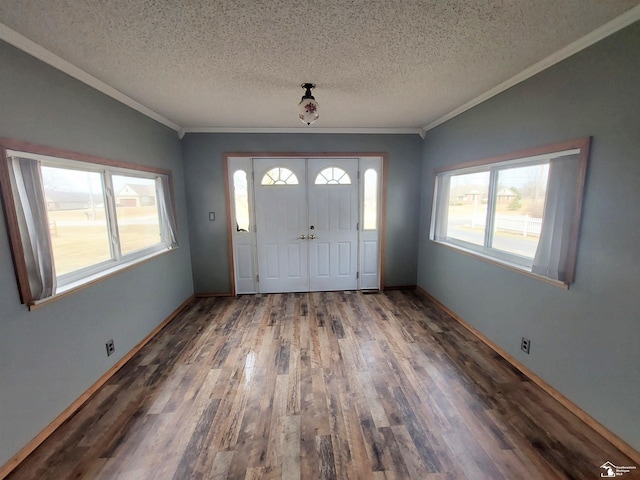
(308, 110)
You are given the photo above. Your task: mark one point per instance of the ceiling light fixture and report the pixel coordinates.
(308, 107)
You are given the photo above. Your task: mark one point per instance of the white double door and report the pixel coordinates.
(307, 226)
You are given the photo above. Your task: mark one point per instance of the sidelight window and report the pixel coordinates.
(370, 195)
(241, 200)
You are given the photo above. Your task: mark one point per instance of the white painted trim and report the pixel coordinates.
(23, 43)
(598, 34)
(303, 129)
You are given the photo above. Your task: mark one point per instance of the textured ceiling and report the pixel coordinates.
(240, 63)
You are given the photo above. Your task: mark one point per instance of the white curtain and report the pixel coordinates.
(551, 256)
(31, 209)
(442, 207)
(166, 211)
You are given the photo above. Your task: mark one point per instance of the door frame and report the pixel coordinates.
(248, 156)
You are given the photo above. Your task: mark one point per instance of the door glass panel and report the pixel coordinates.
(333, 176)
(77, 220)
(370, 200)
(241, 197)
(279, 176)
(136, 213)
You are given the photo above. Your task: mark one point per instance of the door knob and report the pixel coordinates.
(312, 237)
(302, 237)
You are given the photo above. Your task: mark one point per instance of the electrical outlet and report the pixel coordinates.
(212, 216)
(110, 347)
(525, 345)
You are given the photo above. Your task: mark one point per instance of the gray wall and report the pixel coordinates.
(584, 340)
(204, 172)
(50, 356)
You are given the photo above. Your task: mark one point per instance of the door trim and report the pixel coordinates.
(250, 155)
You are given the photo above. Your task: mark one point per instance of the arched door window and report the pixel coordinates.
(333, 176)
(279, 176)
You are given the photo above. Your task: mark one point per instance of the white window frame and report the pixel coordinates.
(67, 282)
(493, 166)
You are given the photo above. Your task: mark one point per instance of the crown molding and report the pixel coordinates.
(303, 129)
(28, 46)
(23, 43)
(609, 28)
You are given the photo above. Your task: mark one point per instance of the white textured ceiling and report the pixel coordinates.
(239, 63)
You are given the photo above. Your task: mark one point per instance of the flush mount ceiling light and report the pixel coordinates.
(308, 107)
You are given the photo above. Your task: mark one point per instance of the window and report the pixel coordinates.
(76, 212)
(241, 198)
(333, 176)
(72, 221)
(521, 210)
(137, 215)
(279, 176)
(370, 199)
(468, 208)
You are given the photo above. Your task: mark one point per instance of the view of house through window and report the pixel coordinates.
(467, 212)
(521, 211)
(79, 220)
(516, 212)
(136, 212)
(76, 209)
(77, 215)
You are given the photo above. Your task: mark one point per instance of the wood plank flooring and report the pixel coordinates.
(340, 385)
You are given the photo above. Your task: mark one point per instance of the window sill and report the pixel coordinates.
(78, 285)
(503, 264)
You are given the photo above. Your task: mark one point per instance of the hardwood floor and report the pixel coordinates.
(340, 385)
